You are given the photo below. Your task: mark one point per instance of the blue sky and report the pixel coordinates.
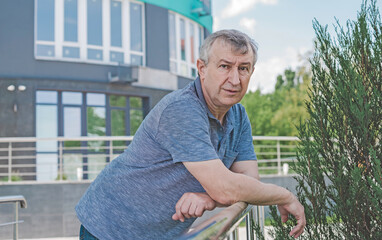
(282, 28)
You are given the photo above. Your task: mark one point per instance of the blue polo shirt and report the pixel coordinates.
(134, 197)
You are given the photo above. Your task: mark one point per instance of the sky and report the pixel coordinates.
(283, 30)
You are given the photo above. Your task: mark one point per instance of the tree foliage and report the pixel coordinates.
(339, 156)
(278, 113)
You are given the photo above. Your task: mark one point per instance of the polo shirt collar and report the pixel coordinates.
(199, 93)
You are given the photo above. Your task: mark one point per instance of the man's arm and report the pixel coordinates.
(194, 204)
(227, 187)
(248, 168)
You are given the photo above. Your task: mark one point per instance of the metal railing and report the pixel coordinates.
(275, 153)
(23, 204)
(82, 158)
(224, 225)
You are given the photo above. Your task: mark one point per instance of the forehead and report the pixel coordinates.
(223, 50)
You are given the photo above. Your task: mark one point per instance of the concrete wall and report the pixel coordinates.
(50, 211)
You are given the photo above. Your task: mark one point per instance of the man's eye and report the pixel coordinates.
(224, 66)
(243, 69)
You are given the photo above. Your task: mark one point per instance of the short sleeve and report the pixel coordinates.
(245, 148)
(183, 130)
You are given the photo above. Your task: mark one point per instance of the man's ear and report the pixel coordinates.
(201, 67)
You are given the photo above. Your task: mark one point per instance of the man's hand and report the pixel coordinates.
(192, 204)
(297, 210)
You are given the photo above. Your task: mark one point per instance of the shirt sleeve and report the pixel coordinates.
(245, 146)
(183, 130)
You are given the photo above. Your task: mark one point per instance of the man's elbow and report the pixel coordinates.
(226, 196)
(226, 200)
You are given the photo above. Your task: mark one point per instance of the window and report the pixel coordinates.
(185, 37)
(94, 31)
(46, 127)
(75, 114)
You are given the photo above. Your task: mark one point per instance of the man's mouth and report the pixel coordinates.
(231, 91)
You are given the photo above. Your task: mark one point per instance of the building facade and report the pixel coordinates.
(75, 68)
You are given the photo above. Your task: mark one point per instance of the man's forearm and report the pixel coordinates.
(251, 190)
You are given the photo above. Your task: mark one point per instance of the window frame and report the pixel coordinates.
(198, 30)
(59, 43)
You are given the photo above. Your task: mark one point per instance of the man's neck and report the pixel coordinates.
(218, 113)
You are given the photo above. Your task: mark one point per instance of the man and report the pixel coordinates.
(192, 152)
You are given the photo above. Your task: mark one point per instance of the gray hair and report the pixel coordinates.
(238, 40)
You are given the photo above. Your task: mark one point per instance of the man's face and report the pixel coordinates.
(226, 76)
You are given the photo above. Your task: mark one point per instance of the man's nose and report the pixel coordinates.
(234, 78)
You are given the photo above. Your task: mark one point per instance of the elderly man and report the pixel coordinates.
(192, 152)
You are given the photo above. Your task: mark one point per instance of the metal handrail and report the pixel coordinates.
(23, 204)
(224, 225)
(19, 156)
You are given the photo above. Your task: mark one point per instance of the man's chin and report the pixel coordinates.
(231, 101)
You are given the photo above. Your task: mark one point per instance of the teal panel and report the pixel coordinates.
(187, 8)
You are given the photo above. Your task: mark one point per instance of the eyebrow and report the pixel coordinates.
(229, 62)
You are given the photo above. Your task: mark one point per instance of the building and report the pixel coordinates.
(76, 68)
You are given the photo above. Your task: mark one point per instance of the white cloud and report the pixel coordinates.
(264, 77)
(248, 24)
(216, 25)
(236, 7)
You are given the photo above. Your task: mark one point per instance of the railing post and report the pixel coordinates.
(259, 218)
(110, 150)
(233, 235)
(10, 162)
(60, 156)
(249, 225)
(278, 158)
(16, 226)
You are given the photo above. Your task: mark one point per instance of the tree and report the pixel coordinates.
(339, 155)
(278, 113)
(279, 82)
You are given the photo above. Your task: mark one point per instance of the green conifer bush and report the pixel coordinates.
(339, 155)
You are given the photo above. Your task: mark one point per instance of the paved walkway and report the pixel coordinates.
(65, 238)
(242, 236)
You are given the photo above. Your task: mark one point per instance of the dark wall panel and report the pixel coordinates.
(157, 39)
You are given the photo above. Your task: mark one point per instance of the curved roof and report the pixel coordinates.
(196, 10)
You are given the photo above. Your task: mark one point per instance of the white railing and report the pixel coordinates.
(275, 154)
(18, 199)
(82, 158)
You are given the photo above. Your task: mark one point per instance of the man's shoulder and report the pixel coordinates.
(177, 104)
(238, 110)
(185, 98)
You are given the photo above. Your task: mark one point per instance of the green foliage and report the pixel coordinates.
(64, 177)
(339, 156)
(14, 178)
(278, 113)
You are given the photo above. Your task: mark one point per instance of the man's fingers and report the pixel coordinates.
(185, 209)
(178, 207)
(175, 217)
(192, 205)
(199, 211)
(299, 228)
(296, 231)
(192, 210)
(284, 215)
